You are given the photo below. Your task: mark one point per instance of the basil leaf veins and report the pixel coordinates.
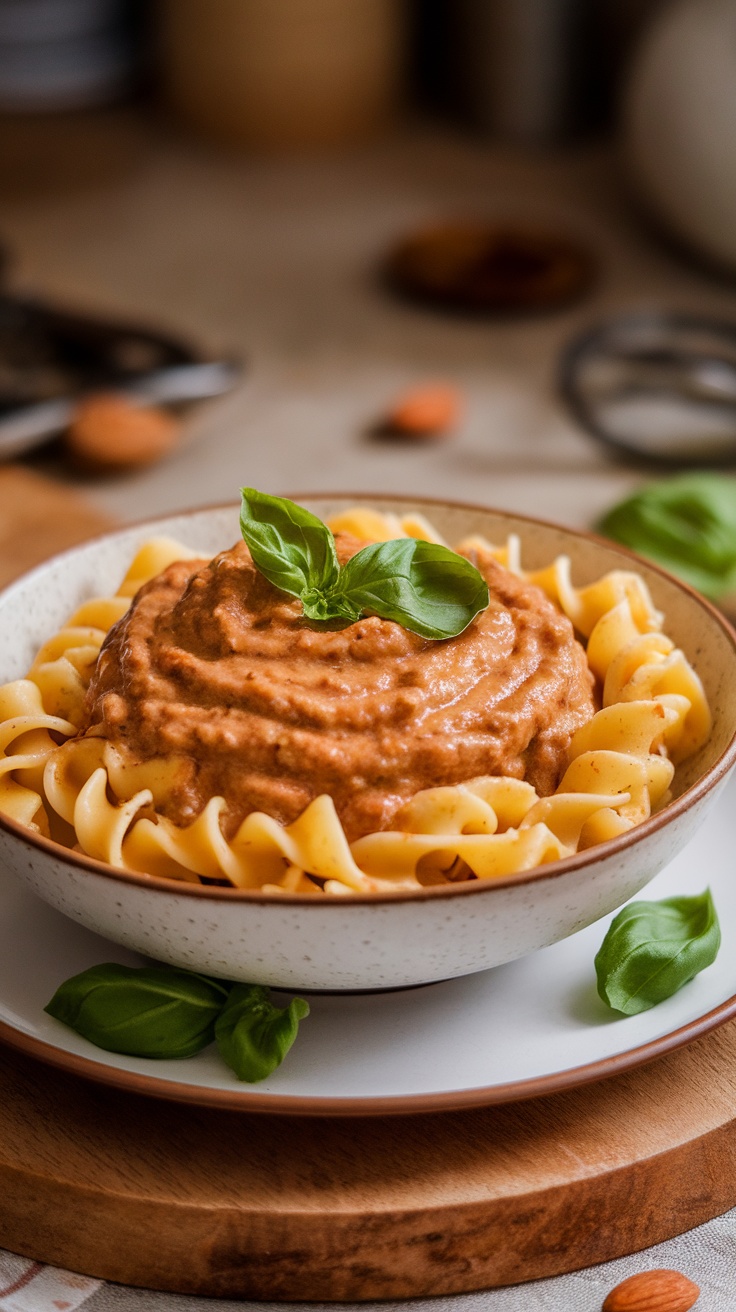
(653, 948)
(253, 1036)
(149, 1011)
(290, 546)
(425, 587)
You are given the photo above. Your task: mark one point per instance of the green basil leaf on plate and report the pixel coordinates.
(290, 546)
(151, 1011)
(253, 1036)
(653, 948)
(425, 587)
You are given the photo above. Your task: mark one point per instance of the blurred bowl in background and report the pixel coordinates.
(679, 124)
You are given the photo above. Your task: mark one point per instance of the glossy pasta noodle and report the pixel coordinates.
(619, 768)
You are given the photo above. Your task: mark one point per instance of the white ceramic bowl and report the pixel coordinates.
(363, 942)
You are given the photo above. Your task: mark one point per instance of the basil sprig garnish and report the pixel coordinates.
(253, 1036)
(423, 586)
(653, 948)
(157, 1011)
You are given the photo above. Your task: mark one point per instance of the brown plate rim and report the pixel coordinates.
(196, 1095)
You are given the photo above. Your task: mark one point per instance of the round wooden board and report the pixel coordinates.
(228, 1204)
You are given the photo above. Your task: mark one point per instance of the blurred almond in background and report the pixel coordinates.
(112, 432)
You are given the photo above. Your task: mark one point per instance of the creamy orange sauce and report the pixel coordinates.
(215, 667)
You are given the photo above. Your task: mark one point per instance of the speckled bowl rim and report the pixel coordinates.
(473, 888)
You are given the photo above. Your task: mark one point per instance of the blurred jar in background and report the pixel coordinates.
(528, 71)
(517, 56)
(283, 74)
(64, 54)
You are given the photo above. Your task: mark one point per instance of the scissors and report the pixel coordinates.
(656, 386)
(50, 357)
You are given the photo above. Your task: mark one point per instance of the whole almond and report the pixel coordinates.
(109, 431)
(653, 1291)
(425, 411)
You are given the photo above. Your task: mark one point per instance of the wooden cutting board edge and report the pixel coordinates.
(231, 1205)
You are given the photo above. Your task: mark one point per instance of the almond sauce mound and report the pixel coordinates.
(215, 667)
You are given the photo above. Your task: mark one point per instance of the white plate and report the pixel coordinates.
(521, 1030)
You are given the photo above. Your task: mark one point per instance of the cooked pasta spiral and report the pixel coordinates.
(78, 789)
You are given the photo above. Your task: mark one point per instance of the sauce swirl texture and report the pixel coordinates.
(216, 668)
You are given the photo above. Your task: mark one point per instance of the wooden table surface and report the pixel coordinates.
(39, 517)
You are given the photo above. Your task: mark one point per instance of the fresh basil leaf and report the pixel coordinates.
(687, 524)
(653, 948)
(290, 546)
(424, 587)
(253, 1036)
(150, 1011)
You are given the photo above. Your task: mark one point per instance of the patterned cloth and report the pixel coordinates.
(707, 1255)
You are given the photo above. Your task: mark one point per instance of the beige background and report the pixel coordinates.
(275, 259)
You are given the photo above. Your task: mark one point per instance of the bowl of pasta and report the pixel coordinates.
(379, 742)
